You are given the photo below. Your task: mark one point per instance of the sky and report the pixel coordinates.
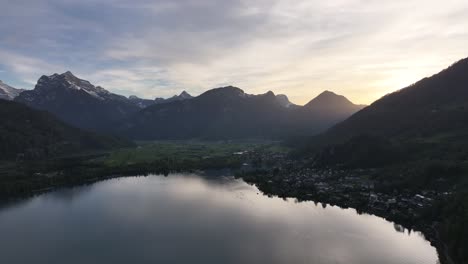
(362, 49)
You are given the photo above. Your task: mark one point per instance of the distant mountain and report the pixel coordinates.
(414, 139)
(431, 106)
(143, 103)
(427, 119)
(321, 113)
(182, 96)
(220, 113)
(78, 102)
(329, 103)
(224, 113)
(26, 133)
(7, 92)
(140, 102)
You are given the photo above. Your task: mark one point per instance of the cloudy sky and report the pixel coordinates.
(362, 49)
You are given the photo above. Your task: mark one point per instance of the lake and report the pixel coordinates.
(188, 218)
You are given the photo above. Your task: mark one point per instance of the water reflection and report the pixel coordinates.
(192, 219)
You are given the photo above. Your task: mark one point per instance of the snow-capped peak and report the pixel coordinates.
(67, 80)
(7, 92)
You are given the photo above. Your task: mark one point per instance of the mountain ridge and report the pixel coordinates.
(77, 101)
(425, 121)
(429, 106)
(8, 92)
(230, 109)
(226, 112)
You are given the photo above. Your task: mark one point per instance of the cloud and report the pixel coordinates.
(362, 49)
(26, 66)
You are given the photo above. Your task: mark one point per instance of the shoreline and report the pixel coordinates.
(429, 231)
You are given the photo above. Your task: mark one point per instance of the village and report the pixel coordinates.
(276, 174)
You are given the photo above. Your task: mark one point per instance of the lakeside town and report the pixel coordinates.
(277, 175)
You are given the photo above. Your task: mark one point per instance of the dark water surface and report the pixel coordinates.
(192, 219)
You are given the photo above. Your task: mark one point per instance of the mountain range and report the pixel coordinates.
(434, 107)
(226, 112)
(229, 112)
(142, 103)
(415, 138)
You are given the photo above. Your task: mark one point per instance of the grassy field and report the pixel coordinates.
(187, 151)
(162, 157)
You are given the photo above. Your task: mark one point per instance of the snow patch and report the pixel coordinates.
(94, 94)
(7, 92)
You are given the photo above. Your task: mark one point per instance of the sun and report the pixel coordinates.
(403, 78)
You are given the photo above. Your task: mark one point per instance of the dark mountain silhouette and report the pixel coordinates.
(414, 139)
(182, 96)
(221, 113)
(225, 113)
(331, 104)
(7, 92)
(322, 112)
(31, 134)
(434, 105)
(77, 101)
(425, 120)
(143, 103)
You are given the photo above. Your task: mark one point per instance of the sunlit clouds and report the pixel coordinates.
(361, 49)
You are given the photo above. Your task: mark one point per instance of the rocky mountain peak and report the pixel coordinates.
(68, 81)
(68, 73)
(329, 98)
(7, 92)
(185, 95)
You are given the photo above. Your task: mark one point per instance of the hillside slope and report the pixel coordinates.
(432, 106)
(31, 134)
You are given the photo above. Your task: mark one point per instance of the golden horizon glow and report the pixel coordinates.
(362, 50)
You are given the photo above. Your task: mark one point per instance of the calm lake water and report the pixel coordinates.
(185, 218)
